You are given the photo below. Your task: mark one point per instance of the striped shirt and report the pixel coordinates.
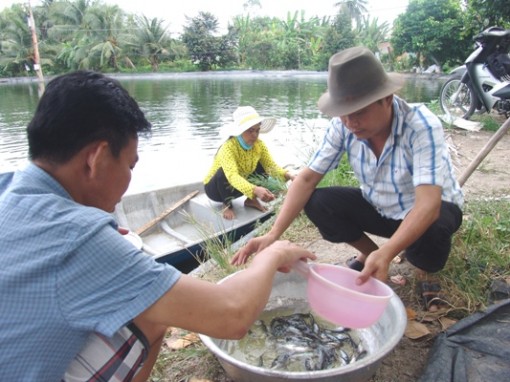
(415, 154)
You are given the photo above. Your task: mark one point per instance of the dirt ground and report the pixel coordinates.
(491, 179)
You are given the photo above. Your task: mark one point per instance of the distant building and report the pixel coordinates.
(385, 47)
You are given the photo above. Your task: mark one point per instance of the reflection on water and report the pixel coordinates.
(187, 112)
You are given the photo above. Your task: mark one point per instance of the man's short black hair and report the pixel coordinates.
(79, 108)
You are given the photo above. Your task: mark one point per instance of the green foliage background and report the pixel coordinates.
(90, 34)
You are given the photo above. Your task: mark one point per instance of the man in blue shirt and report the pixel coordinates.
(79, 301)
(398, 153)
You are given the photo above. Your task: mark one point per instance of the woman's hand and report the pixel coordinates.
(263, 194)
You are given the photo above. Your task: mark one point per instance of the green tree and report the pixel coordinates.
(228, 48)
(261, 48)
(272, 43)
(481, 14)
(486, 13)
(206, 50)
(339, 36)
(241, 31)
(290, 41)
(433, 30)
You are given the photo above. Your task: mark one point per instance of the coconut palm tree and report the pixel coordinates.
(251, 4)
(105, 28)
(151, 40)
(371, 34)
(68, 18)
(16, 51)
(355, 8)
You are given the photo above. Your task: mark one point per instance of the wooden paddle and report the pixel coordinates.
(165, 213)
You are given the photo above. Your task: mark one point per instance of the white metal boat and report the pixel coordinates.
(174, 223)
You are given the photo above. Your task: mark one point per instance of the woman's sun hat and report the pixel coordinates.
(246, 117)
(356, 79)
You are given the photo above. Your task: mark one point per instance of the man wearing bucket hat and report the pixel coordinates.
(408, 192)
(242, 155)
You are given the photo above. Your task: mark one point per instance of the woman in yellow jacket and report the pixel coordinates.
(241, 155)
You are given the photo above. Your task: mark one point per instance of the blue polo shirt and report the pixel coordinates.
(65, 272)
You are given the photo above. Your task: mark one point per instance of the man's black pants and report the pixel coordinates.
(342, 215)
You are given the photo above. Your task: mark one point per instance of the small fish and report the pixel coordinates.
(299, 343)
(281, 361)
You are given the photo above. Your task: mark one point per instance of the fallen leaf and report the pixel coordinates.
(446, 322)
(410, 313)
(182, 342)
(415, 330)
(398, 259)
(398, 280)
(193, 379)
(429, 317)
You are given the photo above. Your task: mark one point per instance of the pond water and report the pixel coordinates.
(188, 111)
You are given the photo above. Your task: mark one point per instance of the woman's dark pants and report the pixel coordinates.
(220, 190)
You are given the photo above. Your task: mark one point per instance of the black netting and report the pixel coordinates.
(475, 349)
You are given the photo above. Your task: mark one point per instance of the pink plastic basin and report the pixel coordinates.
(333, 294)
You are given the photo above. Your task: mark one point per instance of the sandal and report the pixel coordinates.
(430, 295)
(353, 263)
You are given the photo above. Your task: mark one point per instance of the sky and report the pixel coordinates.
(174, 12)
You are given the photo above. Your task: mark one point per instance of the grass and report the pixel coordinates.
(480, 253)
(341, 176)
(218, 250)
(490, 122)
(178, 365)
(276, 186)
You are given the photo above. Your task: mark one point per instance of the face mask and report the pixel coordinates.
(243, 144)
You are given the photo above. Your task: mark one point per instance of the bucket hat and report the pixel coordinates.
(246, 117)
(356, 79)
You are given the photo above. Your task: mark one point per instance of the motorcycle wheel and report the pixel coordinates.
(457, 99)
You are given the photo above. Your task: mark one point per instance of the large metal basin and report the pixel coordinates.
(378, 339)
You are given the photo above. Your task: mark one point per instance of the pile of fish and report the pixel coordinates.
(298, 342)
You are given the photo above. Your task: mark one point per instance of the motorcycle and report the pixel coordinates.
(482, 84)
